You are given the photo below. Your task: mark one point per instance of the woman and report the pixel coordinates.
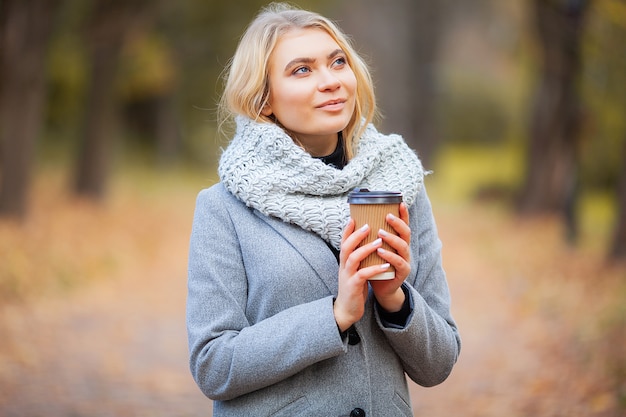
(281, 320)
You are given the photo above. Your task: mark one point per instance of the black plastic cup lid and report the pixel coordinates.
(365, 196)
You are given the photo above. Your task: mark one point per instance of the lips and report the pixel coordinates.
(332, 103)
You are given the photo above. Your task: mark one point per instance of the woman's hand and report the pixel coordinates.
(352, 294)
(388, 292)
(353, 282)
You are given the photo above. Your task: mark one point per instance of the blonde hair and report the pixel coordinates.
(246, 89)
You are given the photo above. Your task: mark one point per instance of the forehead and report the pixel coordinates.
(302, 43)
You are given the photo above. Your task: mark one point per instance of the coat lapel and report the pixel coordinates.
(311, 247)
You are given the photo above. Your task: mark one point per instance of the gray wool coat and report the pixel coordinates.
(262, 336)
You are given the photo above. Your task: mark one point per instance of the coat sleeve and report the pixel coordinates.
(429, 343)
(229, 355)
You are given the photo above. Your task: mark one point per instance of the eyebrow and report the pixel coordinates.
(297, 61)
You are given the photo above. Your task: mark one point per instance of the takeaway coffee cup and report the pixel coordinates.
(371, 207)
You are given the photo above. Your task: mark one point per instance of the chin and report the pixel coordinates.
(333, 126)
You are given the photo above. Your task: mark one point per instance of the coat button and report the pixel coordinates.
(353, 337)
(357, 412)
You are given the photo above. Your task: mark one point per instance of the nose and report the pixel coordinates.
(328, 81)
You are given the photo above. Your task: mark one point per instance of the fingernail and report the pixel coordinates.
(391, 216)
(385, 266)
(382, 233)
(377, 242)
(381, 250)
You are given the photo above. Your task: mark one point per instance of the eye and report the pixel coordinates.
(340, 61)
(301, 70)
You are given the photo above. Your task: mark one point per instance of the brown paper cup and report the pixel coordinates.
(372, 207)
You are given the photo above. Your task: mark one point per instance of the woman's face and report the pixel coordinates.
(311, 88)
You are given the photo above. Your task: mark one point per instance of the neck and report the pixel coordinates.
(318, 146)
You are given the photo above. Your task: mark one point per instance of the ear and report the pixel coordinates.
(266, 110)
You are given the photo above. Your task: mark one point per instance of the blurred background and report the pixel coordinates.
(108, 131)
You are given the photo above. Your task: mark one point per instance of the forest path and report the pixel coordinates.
(117, 347)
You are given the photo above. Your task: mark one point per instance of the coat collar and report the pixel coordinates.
(311, 247)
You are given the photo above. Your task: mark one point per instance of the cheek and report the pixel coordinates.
(289, 100)
(351, 83)
(286, 100)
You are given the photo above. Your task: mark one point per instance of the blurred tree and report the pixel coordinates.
(171, 75)
(618, 247)
(148, 82)
(106, 32)
(24, 31)
(604, 92)
(551, 179)
(401, 39)
(161, 64)
(604, 87)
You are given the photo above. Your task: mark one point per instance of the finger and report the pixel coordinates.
(351, 239)
(400, 226)
(349, 229)
(404, 213)
(399, 261)
(397, 243)
(355, 258)
(370, 271)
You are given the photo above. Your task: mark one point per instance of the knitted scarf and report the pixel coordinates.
(265, 169)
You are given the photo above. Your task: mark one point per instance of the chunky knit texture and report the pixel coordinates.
(264, 168)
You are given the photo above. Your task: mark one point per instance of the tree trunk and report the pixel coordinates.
(551, 179)
(618, 248)
(166, 130)
(24, 31)
(111, 21)
(426, 21)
